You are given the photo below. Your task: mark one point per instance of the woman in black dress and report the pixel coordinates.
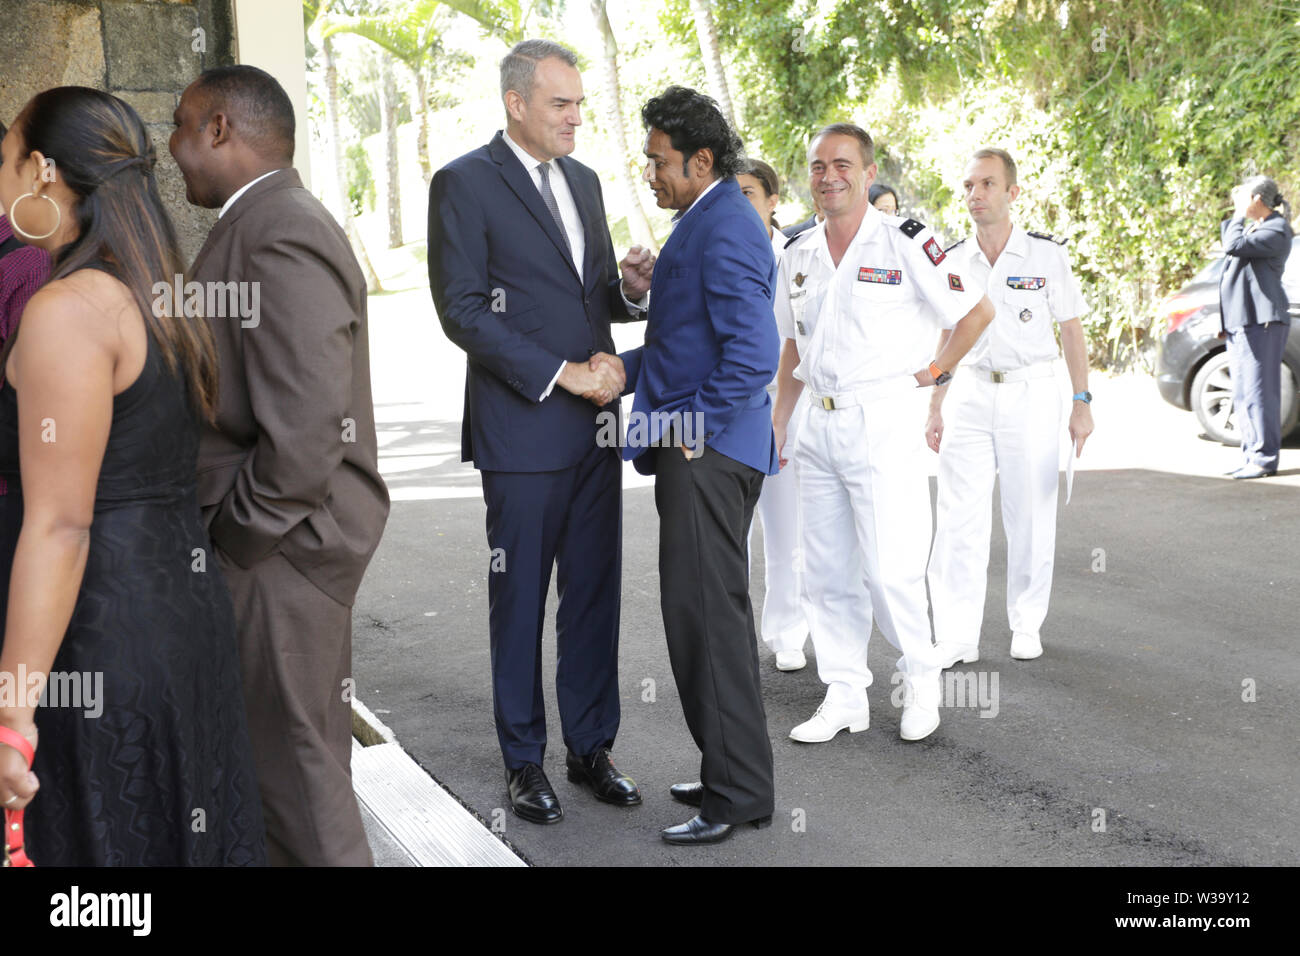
(143, 756)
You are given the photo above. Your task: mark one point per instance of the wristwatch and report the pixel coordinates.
(939, 375)
(1085, 397)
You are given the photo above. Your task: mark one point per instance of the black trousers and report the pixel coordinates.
(705, 507)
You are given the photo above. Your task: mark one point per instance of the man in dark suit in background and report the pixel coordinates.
(524, 278)
(1254, 311)
(289, 476)
(791, 231)
(701, 385)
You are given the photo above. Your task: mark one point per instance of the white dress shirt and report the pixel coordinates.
(779, 239)
(243, 189)
(1031, 286)
(563, 198)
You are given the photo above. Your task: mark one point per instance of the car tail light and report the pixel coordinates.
(1178, 310)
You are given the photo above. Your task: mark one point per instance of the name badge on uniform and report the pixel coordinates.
(884, 276)
(1029, 283)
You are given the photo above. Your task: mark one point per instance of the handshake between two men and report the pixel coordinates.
(601, 379)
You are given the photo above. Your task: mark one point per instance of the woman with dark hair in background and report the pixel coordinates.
(143, 756)
(762, 187)
(784, 627)
(1253, 309)
(883, 198)
(23, 270)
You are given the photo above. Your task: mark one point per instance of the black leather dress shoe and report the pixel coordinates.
(691, 794)
(606, 781)
(531, 795)
(698, 831)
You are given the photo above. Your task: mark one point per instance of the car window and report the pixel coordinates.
(1211, 269)
(1291, 275)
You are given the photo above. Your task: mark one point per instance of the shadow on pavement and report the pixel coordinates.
(1156, 729)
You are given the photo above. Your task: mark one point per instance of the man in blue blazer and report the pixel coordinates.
(1253, 308)
(702, 425)
(524, 278)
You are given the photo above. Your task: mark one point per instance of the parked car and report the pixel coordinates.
(1192, 368)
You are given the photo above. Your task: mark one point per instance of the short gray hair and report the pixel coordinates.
(867, 147)
(993, 152)
(520, 64)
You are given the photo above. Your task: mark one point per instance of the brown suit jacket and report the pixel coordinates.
(292, 466)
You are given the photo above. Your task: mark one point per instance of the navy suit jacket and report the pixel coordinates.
(507, 293)
(1250, 285)
(711, 345)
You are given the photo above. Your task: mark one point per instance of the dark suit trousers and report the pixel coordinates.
(570, 520)
(705, 508)
(295, 651)
(1255, 361)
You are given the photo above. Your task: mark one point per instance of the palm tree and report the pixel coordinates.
(506, 19)
(412, 35)
(388, 87)
(613, 109)
(712, 56)
(313, 12)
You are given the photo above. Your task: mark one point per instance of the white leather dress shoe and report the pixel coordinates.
(920, 707)
(1026, 646)
(790, 661)
(829, 720)
(950, 654)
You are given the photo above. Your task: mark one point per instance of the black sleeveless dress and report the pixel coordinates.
(151, 766)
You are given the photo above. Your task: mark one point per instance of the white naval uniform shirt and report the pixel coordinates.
(877, 315)
(1031, 286)
(779, 239)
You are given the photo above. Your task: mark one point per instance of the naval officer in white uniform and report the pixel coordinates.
(784, 627)
(859, 300)
(1003, 418)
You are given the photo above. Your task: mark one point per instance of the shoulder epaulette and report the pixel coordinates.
(796, 237)
(911, 227)
(1050, 238)
(954, 245)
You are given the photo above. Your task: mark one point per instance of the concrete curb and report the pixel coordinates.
(411, 818)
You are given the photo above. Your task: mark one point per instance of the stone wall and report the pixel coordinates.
(144, 52)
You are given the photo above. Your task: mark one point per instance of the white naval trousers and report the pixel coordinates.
(1011, 430)
(784, 626)
(866, 529)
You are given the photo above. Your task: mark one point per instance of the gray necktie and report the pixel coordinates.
(548, 197)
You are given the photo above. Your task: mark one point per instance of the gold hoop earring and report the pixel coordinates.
(13, 220)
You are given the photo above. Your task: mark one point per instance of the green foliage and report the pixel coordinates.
(360, 184)
(1130, 120)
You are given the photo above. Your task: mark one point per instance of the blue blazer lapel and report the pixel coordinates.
(522, 185)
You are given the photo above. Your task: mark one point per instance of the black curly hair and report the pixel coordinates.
(692, 122)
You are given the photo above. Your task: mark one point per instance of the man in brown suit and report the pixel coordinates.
(288, 480)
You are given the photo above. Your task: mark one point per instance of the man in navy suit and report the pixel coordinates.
(1255, 314)
(524, 278)
(702, 425)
